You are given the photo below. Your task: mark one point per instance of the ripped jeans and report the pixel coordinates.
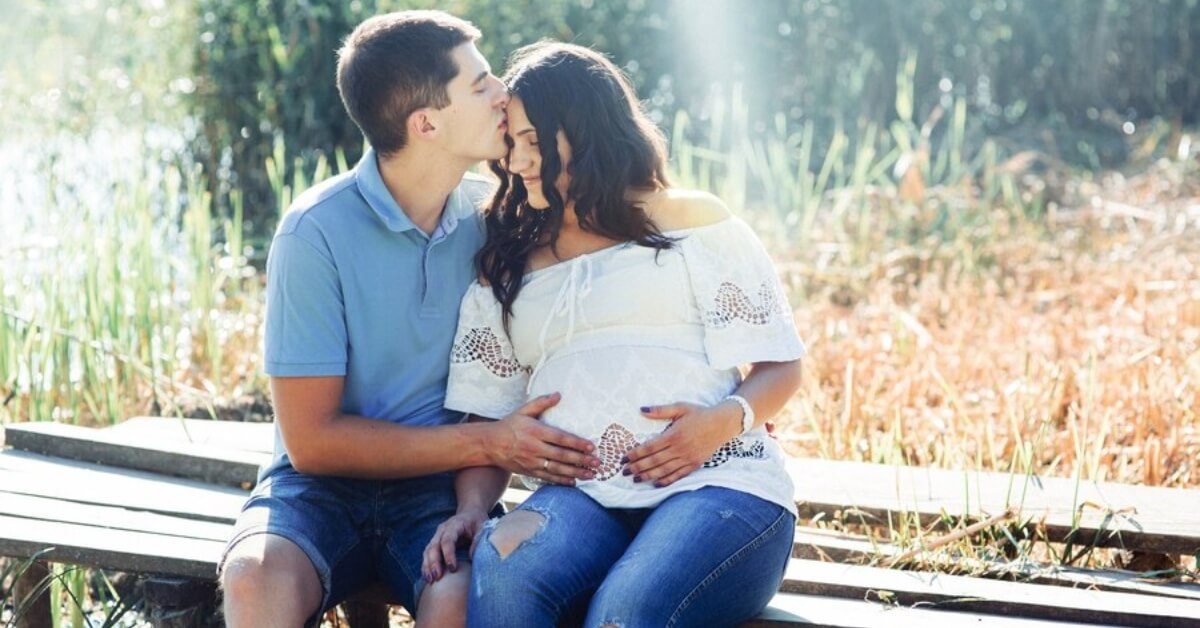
(710, 557)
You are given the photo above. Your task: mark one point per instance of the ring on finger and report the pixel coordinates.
(545, 464)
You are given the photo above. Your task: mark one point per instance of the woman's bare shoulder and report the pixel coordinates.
(679, 208)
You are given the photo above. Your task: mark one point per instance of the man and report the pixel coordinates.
(364, 280)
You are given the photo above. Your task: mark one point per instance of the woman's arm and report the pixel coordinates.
(697, 432)
(477, 489)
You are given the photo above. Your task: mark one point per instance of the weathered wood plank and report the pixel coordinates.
(32, 474)
(119, 550)
(908, 588)
(217, 465)
(830, 546)
(789, 609)
(93, 516)
(1104, 513)
(251, 437)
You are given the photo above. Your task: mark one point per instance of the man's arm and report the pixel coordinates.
(320, 440)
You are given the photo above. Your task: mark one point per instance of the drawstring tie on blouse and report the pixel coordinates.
(574, 289)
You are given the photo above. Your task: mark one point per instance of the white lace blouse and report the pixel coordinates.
(626, 327)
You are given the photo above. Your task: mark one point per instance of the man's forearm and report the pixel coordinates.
(360, 447)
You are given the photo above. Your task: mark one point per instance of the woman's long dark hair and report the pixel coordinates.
(614, 148)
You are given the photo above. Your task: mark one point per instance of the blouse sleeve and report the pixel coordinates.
(486, 379)
(740, 299)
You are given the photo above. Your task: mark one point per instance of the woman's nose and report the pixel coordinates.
(518, 161)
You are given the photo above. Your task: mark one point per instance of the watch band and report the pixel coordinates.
(747, 412)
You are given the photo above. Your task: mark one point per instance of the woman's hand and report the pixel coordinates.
(695, 434)
(441, 553)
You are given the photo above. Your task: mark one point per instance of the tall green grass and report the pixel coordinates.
(921, 181)
(125, 295)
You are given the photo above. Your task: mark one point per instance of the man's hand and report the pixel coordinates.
(441, 553)
(523, 444)
(695, 434)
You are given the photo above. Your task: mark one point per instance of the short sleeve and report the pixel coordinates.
(741, 302)
(305, 334)
(486, 379)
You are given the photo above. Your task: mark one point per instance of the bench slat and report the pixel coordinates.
(966, 593)
(789, 609)
(1141, 517)
(108, 517)
(119, 550)
(85, 483)
(251, 437)
(218, 465)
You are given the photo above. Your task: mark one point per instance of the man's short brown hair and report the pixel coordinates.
(395, 64)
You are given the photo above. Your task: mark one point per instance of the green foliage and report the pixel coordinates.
(264, 69)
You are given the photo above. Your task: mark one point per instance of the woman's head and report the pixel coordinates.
(568, 94)
(580, 142)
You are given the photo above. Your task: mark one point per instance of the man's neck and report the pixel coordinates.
(420, 185)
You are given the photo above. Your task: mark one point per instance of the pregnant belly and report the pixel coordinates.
(603, 389)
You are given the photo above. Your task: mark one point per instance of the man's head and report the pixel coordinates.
(417, 76)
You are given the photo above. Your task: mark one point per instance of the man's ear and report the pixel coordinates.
(421, 124)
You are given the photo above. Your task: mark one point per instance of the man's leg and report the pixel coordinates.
(269, 581)
(296, 550)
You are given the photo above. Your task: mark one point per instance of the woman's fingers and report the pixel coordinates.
(431, 565)
(449, 549)
(647, 449)
(668, 412)
(676, 475)
(654, 466)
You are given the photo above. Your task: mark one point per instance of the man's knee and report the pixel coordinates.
(268, 567)
(514, 529)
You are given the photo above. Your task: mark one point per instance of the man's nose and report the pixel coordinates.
(502, 95)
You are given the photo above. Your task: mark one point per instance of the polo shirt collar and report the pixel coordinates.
(370, 184)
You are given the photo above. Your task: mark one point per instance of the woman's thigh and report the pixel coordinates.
(540, 560)
(710, 557)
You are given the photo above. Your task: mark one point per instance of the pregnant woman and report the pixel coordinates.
(633, 304)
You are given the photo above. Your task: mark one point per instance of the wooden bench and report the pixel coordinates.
(158, 497)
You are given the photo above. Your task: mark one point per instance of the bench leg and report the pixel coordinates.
(179, 602)
(37, 611)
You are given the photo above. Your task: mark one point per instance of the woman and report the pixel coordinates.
(636, 302)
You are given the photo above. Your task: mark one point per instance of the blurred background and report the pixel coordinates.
(986, 211)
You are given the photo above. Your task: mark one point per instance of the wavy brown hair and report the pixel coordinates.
(615, 148)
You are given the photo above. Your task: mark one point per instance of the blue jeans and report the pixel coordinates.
(710, 557)
(354, 532)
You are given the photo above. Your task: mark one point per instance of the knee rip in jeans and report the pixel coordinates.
(514, 529)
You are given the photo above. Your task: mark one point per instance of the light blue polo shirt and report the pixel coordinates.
(355, 289)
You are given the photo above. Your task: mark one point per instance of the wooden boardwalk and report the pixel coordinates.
(69, 495)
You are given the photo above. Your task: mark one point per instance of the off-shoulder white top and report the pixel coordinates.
(629, 326)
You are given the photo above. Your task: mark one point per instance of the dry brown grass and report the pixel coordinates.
(1071, 342)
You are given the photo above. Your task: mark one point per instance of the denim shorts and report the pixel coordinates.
(355, 532)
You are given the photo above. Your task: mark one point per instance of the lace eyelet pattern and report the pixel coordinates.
(480, 344)
(731, 304)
